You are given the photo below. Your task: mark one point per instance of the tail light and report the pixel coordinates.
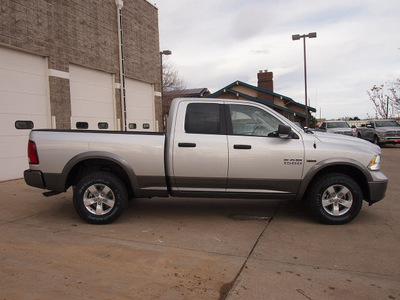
(32, 153)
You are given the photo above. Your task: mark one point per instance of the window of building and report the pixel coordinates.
(82, 125)
(250, 120)
(203, 118)
(132, 125)
(146, 126)
(102, 125)
(20, 125)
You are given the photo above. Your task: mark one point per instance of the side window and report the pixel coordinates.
(323, 126)
(202, 118)
(250, 120)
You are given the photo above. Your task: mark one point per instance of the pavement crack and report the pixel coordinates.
(303, 293)
(227, 287)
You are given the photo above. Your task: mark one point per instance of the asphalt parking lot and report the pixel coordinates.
(198, 249)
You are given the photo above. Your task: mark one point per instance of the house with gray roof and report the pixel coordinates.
(264, 94)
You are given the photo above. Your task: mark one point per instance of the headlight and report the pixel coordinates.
(381, 133)
(375, 163)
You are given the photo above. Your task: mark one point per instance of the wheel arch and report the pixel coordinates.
(88, 162)
(350, 168)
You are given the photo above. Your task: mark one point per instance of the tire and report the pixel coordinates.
(335, 199)
(359, 135)
(376, 140)
(100, 198)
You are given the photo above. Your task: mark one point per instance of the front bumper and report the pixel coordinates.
(389, 140)
(377, 190)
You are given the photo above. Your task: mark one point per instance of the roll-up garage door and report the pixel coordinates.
(140, 114)
(24, 105)
(92, 99)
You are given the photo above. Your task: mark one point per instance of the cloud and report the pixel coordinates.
(217, 42)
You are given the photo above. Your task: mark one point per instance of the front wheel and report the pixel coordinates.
(100, 198)
(335, 199)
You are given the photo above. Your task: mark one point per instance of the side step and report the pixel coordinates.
(51, 193)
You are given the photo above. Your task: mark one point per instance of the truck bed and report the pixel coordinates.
(143, 152)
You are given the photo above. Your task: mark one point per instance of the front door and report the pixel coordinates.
(260, 162)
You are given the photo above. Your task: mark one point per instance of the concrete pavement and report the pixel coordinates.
(198, 249)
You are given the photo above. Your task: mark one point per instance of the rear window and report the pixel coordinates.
(202, 118)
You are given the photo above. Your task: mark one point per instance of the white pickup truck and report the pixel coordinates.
(212, 148)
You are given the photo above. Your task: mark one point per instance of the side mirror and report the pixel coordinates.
(284, 131)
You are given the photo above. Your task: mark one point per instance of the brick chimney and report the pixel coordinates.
(265, 80)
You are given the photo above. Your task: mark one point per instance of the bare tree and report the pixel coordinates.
(173, 86)
(385, 98)
(394, 90)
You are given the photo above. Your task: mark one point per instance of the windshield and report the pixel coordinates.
(338, 125)
(387, 123)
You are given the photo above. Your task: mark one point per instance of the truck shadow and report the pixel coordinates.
(390, 146)
(255, 209)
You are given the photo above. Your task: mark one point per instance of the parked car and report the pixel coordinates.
(380, 132)
(212, 148)
(341, 127)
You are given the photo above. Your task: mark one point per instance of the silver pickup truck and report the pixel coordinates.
(380, 132)
(340, 127)
(212, 148)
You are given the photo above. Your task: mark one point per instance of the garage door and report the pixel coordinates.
(92, 99)
(24, 104)
(140, 114)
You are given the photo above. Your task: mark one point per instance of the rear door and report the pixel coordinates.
(200, 148)
(260, 162)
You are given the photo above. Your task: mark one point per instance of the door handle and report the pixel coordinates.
(187, 145)
(241, 146)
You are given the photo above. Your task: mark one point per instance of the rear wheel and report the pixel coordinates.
(335, 199)
(100, 198)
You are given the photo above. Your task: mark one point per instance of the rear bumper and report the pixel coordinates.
(34, 178)
(48, 181)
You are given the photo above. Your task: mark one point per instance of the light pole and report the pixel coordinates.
(164, 52)
(297, 37)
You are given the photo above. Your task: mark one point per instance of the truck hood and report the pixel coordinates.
(349, 141)
(385, 129)
(335, 130)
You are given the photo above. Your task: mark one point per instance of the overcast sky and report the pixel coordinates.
(215, 42)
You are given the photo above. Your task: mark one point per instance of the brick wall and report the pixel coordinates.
(84, 32)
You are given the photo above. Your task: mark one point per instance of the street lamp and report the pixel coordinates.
(164, 52)
(297, 37)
